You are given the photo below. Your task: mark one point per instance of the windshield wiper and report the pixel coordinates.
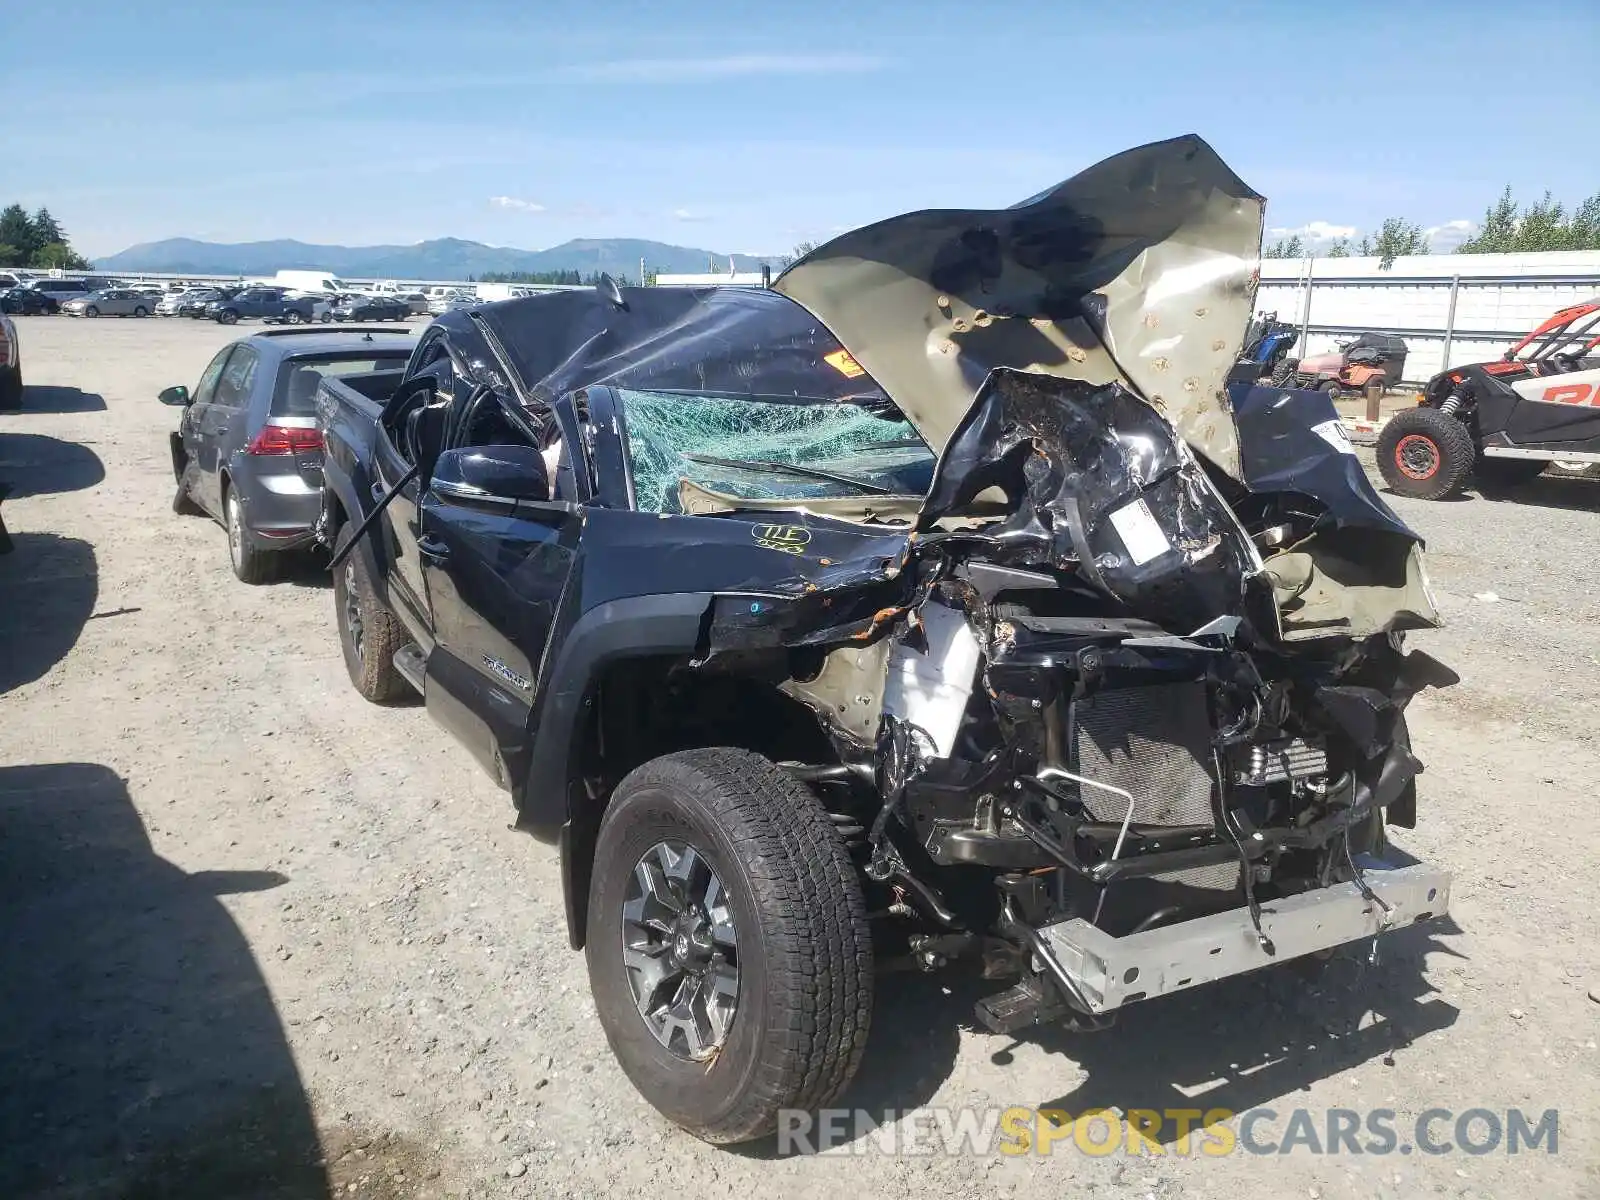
(783, 468)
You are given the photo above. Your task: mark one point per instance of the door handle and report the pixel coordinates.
(434, 551)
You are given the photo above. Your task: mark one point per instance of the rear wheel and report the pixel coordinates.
(327, 316)
(250, 564)
(1425, 454)
(727, 943)
(139, 311)
(369, 634)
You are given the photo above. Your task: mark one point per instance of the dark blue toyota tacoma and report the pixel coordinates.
(948, 582)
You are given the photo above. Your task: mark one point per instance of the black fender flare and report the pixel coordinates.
(550, 802)
(343, 489)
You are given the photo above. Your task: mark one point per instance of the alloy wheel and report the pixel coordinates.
(680, 950)
(352, 614)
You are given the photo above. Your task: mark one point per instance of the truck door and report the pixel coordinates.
(495, 572)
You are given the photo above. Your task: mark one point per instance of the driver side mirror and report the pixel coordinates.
(497, 476)
(177, 396)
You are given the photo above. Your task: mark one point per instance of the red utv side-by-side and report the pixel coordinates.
(1503, 422)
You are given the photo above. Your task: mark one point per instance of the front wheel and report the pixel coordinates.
(327, 317)
(727, 943)
(139, 311)
(292, 317)
(1425, 454)
(227, 317)
(91, 311)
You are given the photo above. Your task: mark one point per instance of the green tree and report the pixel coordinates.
(16, 229)
(59, 256)
(1395, 237)
(1340, 248)
(1294, 246)
(47, 229)
(1543, 225)
(10, 256)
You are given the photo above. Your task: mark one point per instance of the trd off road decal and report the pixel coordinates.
(786, 539)
(496, 667)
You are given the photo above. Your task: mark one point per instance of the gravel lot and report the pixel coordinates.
(248, 915)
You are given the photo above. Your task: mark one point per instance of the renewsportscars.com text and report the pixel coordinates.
(1182, 1132)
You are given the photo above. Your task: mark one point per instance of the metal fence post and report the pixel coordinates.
(1450, 322)
(1305, 311)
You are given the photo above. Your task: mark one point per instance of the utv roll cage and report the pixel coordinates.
(1577, 323)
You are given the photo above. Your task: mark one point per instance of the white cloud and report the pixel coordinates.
(684, 214)
(519, 205)
(733, 66)
(1314, 231)
(1449, 235)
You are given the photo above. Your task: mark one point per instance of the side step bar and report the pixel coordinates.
(412, 663)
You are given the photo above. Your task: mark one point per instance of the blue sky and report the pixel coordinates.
(749, 127)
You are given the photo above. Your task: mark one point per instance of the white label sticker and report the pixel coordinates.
(1333, 433)
(1140, 532)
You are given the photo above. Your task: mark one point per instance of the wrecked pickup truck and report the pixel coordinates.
(940, 602)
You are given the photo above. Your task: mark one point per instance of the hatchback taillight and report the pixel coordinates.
(284, 439)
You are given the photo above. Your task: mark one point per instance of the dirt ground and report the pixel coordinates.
(264, 939)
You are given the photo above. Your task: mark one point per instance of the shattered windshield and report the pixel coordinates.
(767, 448)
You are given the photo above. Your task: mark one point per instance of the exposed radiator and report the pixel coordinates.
(1154, 742)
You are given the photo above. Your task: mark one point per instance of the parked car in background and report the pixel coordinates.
(113, 302)
(417, 302)
(60, 290)
(194, 303)
(10, 366)
(171, 305)
(269, 304)
(370, 308)
(27, 302)
(9, 280)
(452, 299)
(248, 450)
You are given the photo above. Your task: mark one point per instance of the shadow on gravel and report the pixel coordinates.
(1259, 1039)
(35, 465)
(1550, 491)
(50, 399)
(48, 586)
(1252, 1040)
(141, 1052)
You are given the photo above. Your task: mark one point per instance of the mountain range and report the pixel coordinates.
(441, 258)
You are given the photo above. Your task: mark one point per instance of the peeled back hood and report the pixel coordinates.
(1140, 270)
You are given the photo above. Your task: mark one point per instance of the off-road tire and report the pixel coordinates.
(369, 655)
(804, 950)
(1495, 474)
(10, 389)
(1283, 373)
(1425, 454)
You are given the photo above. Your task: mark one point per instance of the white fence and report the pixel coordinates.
(1449, 308)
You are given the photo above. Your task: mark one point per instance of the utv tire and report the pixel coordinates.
(789, 918)
(1424, 454)
(10, 389)
(369, 634)
(1283, 373)
(1494, 474)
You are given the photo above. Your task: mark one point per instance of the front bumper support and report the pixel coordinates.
(1110, 972)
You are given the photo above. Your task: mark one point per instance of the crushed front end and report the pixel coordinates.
(1132, 719)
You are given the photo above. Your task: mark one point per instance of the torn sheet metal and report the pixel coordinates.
(1140, 270)
(1359, 570)
(1099, 483)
